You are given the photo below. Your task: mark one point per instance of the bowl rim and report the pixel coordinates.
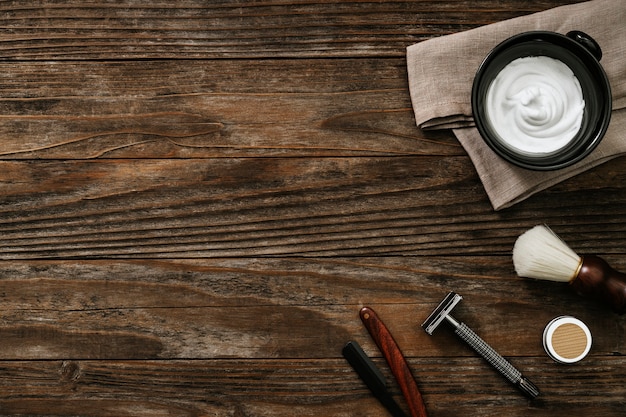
(548, 161)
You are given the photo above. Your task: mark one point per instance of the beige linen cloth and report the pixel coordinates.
(441, 72)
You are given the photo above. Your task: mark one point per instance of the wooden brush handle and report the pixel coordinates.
(396, 361)
(598, 279)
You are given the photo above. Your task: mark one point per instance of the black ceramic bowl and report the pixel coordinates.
(582, 55)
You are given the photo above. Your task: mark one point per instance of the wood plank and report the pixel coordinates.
(193, 29)
(277, 308)
(451, 387)
(193, 109)
(288, 206)
(196, 198)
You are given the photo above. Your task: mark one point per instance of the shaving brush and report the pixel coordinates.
(539, 253)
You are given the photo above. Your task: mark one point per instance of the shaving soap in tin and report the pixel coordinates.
(567, 339)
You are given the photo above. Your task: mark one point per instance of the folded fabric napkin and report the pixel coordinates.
(441, 72)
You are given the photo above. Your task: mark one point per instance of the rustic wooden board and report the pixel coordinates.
(275, 308)
(262, 336)
(170, 208)
(194, 29)
(196, 199)
(232, 108)
(282, 387)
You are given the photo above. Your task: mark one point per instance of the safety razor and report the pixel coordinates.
(442, 313)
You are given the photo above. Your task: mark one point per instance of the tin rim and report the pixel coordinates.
(548, 333)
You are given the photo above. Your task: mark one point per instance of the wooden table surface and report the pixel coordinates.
(196, 199)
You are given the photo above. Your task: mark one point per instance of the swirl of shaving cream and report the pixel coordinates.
(535, 104)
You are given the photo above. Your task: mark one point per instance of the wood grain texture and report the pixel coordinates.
(262, 336)
(168, 208)
(197, 198)
(194, 29)
(277, 308)
(231, 108)
(281, 387)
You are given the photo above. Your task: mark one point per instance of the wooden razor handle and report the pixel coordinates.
(396, 361)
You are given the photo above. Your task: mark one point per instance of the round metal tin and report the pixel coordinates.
(567, 339)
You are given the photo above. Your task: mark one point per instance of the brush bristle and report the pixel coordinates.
(539, 253)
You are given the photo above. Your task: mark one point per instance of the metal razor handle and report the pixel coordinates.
(442, 314)
(494, 358)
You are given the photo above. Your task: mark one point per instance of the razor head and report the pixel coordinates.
(439, 314)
